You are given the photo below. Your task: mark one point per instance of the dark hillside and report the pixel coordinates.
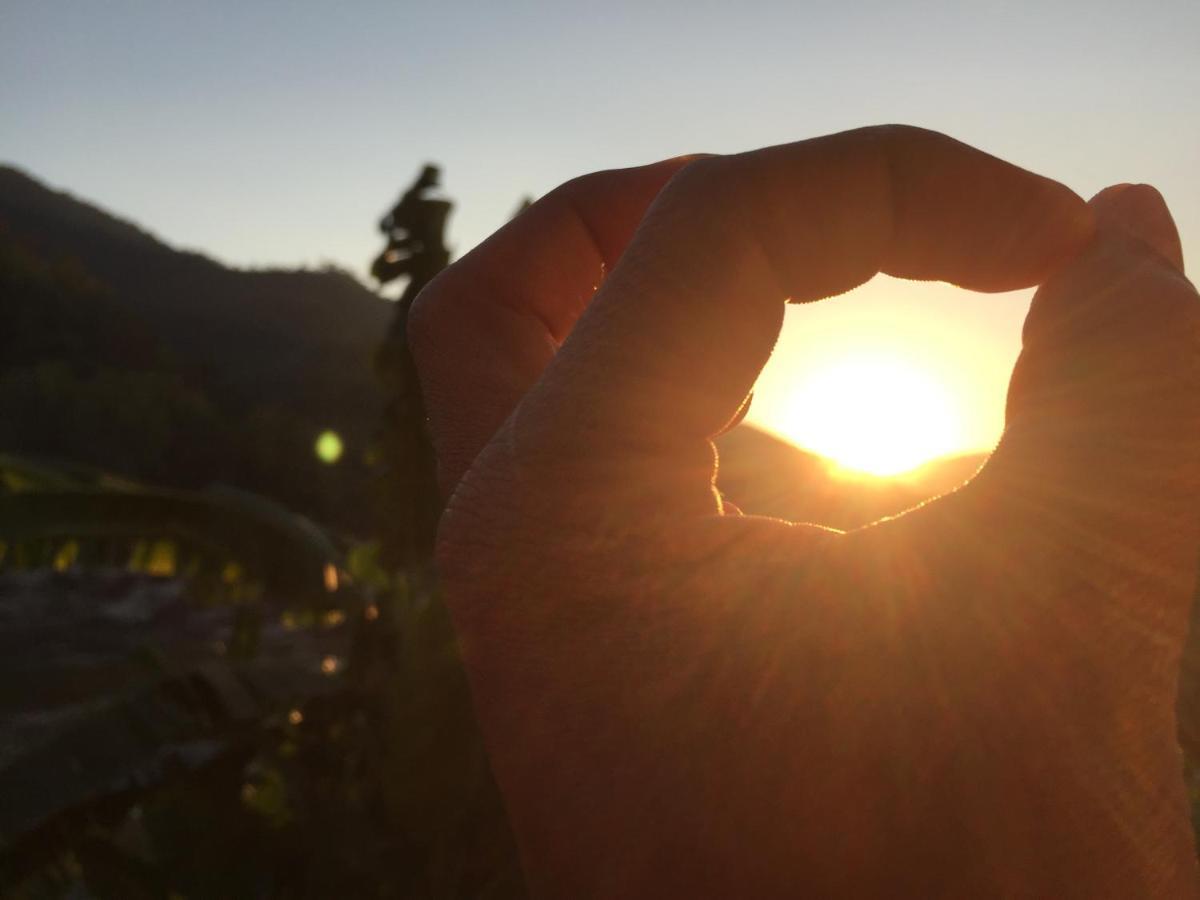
(257, 335)
(765, 475)
(122, 352)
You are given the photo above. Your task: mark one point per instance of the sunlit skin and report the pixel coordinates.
(975, 699)
(874, 413)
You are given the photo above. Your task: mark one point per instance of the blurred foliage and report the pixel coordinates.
(363, 779)
(415, 252)
(377, 790)
(124, 362)
(222, 539)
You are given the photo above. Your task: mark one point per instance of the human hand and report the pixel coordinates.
(971, 699)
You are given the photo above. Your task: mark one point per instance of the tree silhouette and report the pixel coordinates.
(415, 250)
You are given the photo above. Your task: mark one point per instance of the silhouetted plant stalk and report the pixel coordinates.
(410, 503)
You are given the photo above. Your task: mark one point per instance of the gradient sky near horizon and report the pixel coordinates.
(277, 133)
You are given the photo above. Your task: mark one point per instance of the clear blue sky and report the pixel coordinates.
(276, 133)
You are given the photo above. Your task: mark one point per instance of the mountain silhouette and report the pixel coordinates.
(250, 365)
(256, 335)
(127, 354)
(765, 475)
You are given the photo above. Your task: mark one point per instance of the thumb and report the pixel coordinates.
(1140, 211)
(1104, 402)
(1108, 309)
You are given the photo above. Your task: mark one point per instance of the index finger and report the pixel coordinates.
(675, 338)
(484, 329)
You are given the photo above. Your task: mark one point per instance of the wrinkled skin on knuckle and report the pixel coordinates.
(432, 329)
(424, 317)
(696, 201)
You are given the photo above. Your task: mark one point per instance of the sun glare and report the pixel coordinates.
(875, 414)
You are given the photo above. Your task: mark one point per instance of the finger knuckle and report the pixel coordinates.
(427, 316)
(892, 131)
(419, 325)
(708, 183)
(899, 142)
(581, 187)
(574, 187)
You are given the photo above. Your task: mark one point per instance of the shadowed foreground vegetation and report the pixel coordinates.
(217, 687)
(315, 741)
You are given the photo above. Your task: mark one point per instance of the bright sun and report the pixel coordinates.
(875, 413)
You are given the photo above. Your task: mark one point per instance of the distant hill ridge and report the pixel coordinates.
(253, 364)
(284, 353)
(276, 327)
(26, 199)
(765, 475)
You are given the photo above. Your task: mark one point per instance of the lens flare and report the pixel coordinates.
(328, 447)
(875, 414)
